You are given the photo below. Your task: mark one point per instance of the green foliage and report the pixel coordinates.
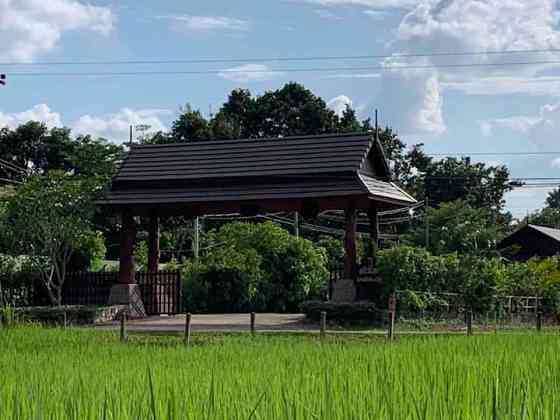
(412, 270)
(553, 199)
(141, 255)
(420, 276)
(49, 373)
(342, 313)
(546, 217)
(457, 227)
(49, 219)
(254, 266)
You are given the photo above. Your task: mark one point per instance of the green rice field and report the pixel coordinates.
(86, 374)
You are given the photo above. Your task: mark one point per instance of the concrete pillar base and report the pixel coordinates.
(130, 296)
(344, 290)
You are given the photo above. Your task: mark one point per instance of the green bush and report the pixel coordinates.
(342, 313)
(411, 270)
(53, 315)
(258, 267)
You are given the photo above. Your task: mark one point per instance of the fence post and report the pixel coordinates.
(391, 326)
(539, 321)
(123, 326)
(188, 329)
(253, 316)
(469, 322)
(64, 319)
(323, 327)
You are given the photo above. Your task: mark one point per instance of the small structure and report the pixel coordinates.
(307, 174)
(531, 241)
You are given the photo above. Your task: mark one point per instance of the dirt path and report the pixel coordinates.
(219, 322)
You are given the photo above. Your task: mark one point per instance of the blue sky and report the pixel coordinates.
(474, 109)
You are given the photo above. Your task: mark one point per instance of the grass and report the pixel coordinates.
(85, 374)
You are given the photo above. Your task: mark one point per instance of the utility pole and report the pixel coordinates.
(196, 245)
(427, 219)
(130, 141)
(296, 224)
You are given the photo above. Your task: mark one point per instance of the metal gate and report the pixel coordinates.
(161, 292)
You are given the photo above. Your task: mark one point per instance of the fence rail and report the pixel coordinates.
(161, 291)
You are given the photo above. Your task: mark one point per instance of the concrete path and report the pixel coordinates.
(217, 323)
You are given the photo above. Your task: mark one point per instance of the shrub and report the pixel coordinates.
(53, 315)
(342, 313)
(258, 267)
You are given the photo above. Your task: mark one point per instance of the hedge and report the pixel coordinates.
(341, 313)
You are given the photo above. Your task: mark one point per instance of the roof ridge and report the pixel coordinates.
(253, 140)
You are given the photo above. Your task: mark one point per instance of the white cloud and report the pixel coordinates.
(29, 28)
(249, 73)
(415, 97)
(338, 104)
(542, 129)
(354, 76)
(326, 14)
(375, 14)
(506, 85)
(412, 101)
(41, 113)
(375, 4)
(191, 23)
(116, 126)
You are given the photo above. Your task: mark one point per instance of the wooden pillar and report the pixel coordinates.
(153, 243)
(128, 238)
(351, 217)
(373, 233)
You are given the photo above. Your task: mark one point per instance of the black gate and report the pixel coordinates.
(161, 292)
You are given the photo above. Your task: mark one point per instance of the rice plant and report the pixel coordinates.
(86, 374)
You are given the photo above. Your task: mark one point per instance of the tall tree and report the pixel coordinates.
(553, 199)
(49, 219)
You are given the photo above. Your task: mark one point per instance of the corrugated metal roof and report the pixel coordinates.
(553, 233)
(235, 158)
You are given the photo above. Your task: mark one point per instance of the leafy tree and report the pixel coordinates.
(190, 126)
(457, 227)
(49, 219)
(480, 185)
(553, 199)
(549, 216)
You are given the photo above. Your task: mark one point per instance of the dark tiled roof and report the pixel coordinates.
(249, 170)
(234, 158)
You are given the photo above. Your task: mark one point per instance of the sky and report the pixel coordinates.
(451, 103)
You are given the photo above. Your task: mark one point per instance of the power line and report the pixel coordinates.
(279, 70)
(280, 59)
(494, 153)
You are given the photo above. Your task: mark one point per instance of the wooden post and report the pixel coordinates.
(391, 326)
(253, 317)
(323, 324)
(128, 238)
(123, 326)
(350, 241)
(188, 329)
(153, 243)
(539, 321)
(373, 233)
(469, 322)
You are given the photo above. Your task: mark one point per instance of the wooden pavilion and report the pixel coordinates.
(307, 174)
